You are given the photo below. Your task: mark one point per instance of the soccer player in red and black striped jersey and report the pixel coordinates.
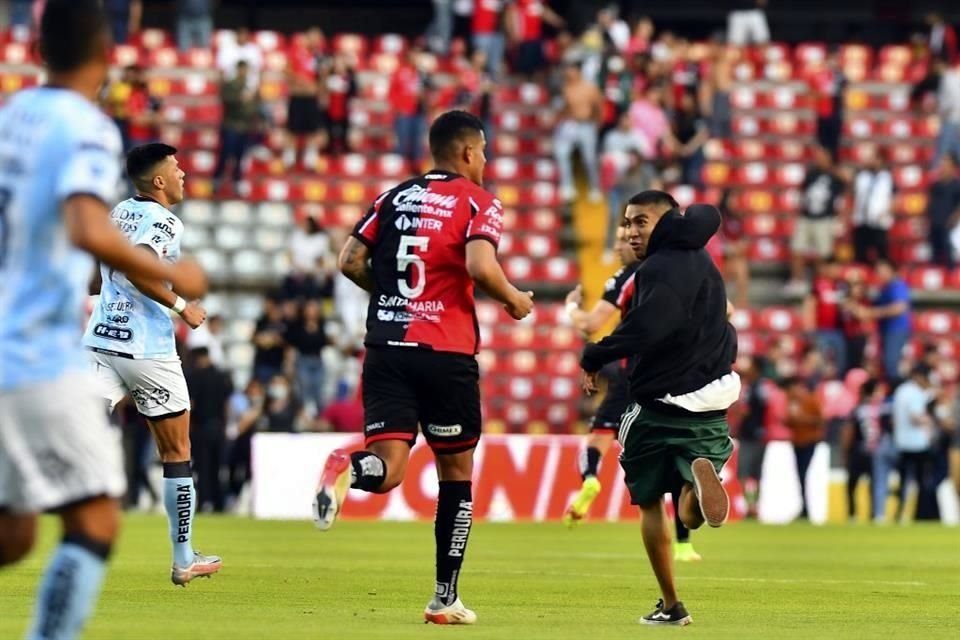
(419, 251)
(616, 298)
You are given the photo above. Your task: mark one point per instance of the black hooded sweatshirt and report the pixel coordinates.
(676, 336)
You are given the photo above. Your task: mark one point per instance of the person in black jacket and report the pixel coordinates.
(681, 349)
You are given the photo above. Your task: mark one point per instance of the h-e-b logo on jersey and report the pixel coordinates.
(110, 332)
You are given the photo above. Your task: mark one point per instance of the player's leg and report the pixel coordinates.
(390, 414)
(18, 534)
(160, 392)
(452, 526)
(683, 550)
(448, 396)
(60, 456)
(603, 430)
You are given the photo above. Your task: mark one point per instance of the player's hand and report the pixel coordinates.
(589, 383)
(188, 279)
(521, 305)
(575, 296)
(194, 315)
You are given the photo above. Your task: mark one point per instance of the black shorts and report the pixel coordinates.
(303, 115)
(614, 404)
(406, 387)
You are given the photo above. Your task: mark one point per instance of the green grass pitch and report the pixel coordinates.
(371, 580)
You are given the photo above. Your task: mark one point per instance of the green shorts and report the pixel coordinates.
(658, 450)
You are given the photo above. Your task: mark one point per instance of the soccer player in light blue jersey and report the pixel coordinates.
(59, 169)
(131, 336)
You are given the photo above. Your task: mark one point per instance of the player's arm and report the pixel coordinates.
(588, 322)
(88, 225)
(354, 262)
(157, 290)
(486, 272)
(96, 281)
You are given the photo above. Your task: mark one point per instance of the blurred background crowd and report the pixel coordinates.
(833, 157)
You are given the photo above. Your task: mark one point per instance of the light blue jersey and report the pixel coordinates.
(54, 143)
(126, 321)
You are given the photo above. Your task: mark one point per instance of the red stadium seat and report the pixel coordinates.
(779, 320)
(810, 53)
(744, 97)
(928, 278)
(351, 44)
(935, 322)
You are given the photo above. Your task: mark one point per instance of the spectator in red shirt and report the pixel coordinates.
(340, 85)
(408, 100)
(343, 415)
(827, 83)
(856, 330)
(304, 119)
(488, 34)
(822, 314)
(525, 20)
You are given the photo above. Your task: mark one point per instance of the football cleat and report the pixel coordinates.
(581, 504)
(713, 499)
(684, 552)
(202, 567)
(332, 489)
(456, 613)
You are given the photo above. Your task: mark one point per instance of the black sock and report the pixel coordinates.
(683, 534)
(451, 529)
(369, 471)
(590, 462)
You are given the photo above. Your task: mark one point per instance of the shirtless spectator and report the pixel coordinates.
(582, 109)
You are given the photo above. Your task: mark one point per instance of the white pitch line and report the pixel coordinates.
(572, 574)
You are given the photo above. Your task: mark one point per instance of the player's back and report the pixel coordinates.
(417, 233)
(126, 321)
(53, 144)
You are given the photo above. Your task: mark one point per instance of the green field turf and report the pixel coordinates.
(371, 580)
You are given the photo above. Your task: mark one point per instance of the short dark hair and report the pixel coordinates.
(869, 387)
(140, 160)
(921, 371)
(653, 196)
(199, 352)
(449, 128)
(886, 261)
(72, 33)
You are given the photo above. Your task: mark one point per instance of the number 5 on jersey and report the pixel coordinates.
(405, 258)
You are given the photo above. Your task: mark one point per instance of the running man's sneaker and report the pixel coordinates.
(676, 615)
(332, 489)
(455, 613)
(202, 567)
(684, 552)
(713, 499)
(581, 504)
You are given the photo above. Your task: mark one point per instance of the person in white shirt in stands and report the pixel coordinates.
(242, 47)
(209, 335)
(872, 210)
(913, 430)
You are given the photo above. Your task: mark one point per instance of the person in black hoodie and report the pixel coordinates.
(681, 348)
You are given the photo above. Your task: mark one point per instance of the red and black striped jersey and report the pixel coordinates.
(618, 290)
(417, 234)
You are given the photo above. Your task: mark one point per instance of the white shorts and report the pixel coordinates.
(157, 385)
(56, 446)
